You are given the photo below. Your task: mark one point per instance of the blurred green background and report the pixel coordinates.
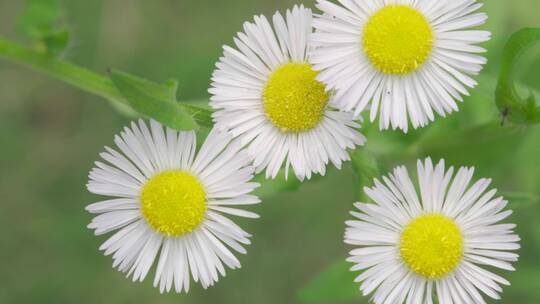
(51, 133)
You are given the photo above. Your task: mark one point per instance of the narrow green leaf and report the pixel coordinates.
(511, 105)
(153, 100)
(334, 284)
(166, 92)
(366, 169)
(42, 21)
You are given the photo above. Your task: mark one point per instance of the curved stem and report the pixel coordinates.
(81, 78)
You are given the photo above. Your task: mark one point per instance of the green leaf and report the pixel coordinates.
(202, 115)
(39, 18)
(511, 105)
(166, 92)
(366, 169)
(334, 284)
(41, 21)
(154, 100)
(57, 42)
(102, 86)
(521, 199)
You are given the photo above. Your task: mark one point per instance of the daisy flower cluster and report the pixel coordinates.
(288, 95)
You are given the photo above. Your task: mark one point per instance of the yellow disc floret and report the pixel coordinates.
(173, 203)
(293, 99)
(431, 245)
(398, 39)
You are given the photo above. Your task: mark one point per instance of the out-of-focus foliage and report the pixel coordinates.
(42, 22)
(280, 184)
(511, 104)
(520, 200)
(51, 134)
(333, 284)
(365, 168)
(39, 21)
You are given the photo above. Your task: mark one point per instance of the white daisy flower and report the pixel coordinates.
(266, 94)
(410, 246)
(403, 58)
(169, 204)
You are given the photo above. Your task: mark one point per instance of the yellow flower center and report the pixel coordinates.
(293, 99)
(432, 246)
(398, 39)
(173, 203)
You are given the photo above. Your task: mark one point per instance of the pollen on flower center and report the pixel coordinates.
(293, 99)
(431, 245)
(173, 203)
(398, 39)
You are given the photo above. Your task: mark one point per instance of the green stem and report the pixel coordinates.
(511, 104)
(79, 77)
(69, 73)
